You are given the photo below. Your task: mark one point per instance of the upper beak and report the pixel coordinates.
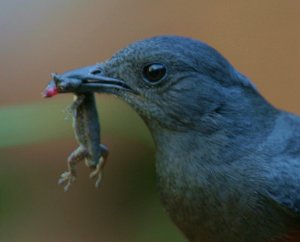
(91, 80)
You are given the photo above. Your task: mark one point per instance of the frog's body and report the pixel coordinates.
(86, 126)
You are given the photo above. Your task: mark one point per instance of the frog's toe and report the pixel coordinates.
(63, 177)
(67, 177)
(98, 181)
(67, 187)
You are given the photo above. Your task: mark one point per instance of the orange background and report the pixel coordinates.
(260, 38)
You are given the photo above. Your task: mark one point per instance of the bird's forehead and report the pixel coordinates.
(141, 50)
(161, 49)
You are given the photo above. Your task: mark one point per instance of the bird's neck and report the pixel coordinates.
(236, 125)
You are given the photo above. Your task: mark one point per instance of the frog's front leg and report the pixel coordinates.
(74, 158)
(99, 167)
(78, 99)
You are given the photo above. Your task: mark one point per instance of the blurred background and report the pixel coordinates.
(37, 37)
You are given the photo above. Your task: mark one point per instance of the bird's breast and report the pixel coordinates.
(209, 205)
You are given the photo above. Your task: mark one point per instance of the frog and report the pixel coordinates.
(86, 128)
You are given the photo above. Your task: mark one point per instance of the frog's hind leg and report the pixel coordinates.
(74, 158)
(99, 168)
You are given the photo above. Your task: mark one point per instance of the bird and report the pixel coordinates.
(227, 161)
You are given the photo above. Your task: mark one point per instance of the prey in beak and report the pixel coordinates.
(83, 80)
(85, 122)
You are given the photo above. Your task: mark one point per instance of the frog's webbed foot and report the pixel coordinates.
(98, 171)
(67, 177)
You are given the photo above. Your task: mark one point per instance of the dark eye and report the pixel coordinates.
(154, 73)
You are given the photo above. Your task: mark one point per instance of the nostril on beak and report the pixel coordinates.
(95, 72)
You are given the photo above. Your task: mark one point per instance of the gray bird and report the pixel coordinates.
(227, 161)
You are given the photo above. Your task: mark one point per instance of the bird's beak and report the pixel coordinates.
(101, 83)
(90, 79)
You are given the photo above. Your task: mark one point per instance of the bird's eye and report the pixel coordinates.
(154, 73)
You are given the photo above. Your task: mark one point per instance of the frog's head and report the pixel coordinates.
(65, 84)
(51, 89)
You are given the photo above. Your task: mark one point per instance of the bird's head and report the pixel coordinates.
(172, 82)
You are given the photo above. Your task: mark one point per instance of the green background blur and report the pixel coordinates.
(37, 37)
